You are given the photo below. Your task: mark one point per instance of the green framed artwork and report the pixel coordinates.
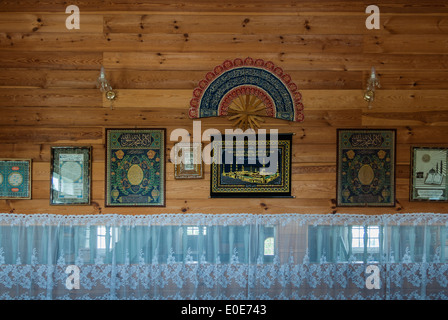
(70, 176)
(429, 169)
(366, 167)
(135, 168)
(251, 167)
(15, 178)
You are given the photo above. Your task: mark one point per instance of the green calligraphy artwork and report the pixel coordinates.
(366, 168)
(135, 167)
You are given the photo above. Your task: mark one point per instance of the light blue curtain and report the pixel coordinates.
(224, 256)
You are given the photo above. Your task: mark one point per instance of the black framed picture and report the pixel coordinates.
(366, 167)
(251, 166)
(428, 180)
(70, 176)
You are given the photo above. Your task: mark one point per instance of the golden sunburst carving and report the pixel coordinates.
(247, 111)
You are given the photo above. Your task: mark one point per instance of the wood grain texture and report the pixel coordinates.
(156, 52)
(229, 6)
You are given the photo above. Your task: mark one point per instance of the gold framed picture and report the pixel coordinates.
(188, 162)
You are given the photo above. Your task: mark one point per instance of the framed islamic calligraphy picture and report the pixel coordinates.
(135, 168)
(70, 176)
(188, 162)
(366, 167)
(429, 166)
(254, 166)
(15, 178)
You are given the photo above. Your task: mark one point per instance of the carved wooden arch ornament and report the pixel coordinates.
(246, 91)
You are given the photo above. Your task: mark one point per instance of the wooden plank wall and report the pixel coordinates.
(155, 53)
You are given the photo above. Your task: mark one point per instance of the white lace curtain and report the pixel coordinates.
(232, 256)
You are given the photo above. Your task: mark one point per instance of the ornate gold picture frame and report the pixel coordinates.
(188, 162)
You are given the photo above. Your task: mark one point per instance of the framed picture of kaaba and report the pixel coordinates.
(135, 168)
(428, 180)
(188, 160)
(70, 176)
(366, 167)
(15, 178)
(251, 166)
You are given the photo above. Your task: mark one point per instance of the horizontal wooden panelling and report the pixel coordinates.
(51, 60)
(198, 189)
(19, 135)
(304, 135)
(41, 78)
(221, 206)
(180, 79)
(182, 42)
(203, 61)
(42, 23)
(153, 99)
(175, 79)
(414, 24)
(425, 118)
(289, 61)
(71, 116)
(413, 79)
(235, 24)
(50, 97)
(230, 6)
(407, 43)
(153, 117)
(314, 99)
(303, 24)
(155, 54)
(251, 23)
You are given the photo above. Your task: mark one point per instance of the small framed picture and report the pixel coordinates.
(15, 178)
(70, 176)
(188, 160)
(428, 181)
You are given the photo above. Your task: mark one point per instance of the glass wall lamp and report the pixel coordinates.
(372, 82)
(105, 86)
